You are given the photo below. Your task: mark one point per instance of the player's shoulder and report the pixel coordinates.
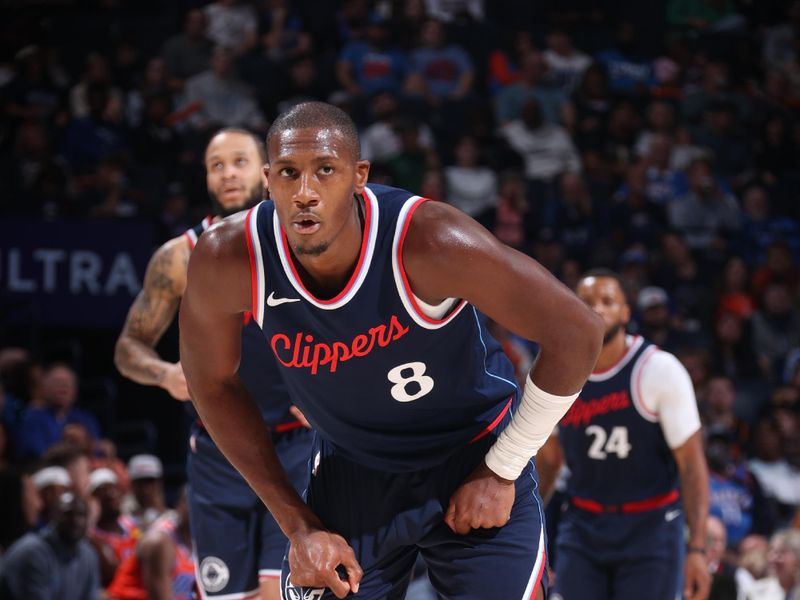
(657, 359)
(224, 238)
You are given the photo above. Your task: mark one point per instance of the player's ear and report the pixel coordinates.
(626, 313)
(362, 174)
(265, 178)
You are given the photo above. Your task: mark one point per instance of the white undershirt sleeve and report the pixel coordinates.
(665, 389)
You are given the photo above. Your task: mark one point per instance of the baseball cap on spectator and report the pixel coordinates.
(100, 477)
(145, 466)
(51, 476)
(650, 297)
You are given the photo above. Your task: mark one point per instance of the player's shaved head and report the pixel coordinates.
(606, 274)
(262, 151)
(321, 116)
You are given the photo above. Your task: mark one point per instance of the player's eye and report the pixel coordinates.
(326, 170)
(216, 166)
(287, 172)
(241, 162)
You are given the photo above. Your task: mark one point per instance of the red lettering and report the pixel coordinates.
(308, 355)
(582, 412)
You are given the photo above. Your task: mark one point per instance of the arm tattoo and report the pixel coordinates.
(150, 315)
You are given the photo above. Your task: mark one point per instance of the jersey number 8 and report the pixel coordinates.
(408, 387)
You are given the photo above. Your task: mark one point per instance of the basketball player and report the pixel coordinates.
(238, 545)
(631, 441)
(367, 296)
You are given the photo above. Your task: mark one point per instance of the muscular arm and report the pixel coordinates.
(217, 293)
(693, 473)
(447, 254)
(157, 559)
(151, 313)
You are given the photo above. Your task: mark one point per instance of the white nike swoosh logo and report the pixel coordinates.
(273, 301)
(672, 515)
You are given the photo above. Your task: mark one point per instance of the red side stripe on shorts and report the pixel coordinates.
(540, 575)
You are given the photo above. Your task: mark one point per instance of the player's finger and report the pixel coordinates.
(354, 571)
(450, 516)
(336, 585)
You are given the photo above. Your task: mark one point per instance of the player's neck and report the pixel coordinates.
(612, 352)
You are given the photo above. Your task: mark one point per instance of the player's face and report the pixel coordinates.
(233, 172)
(604, 296)
(312, 177)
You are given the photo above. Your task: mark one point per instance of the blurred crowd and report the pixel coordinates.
(660, 143)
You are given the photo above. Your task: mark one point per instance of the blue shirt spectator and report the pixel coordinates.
(440, 71)
(531, 85)
(43, 426)
(372, 66)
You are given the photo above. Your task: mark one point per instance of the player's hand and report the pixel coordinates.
(484, 500)
(696, 578)
(174, 382)
(314, 557)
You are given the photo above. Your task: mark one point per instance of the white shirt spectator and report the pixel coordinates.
(233, 26)
(380, 142)
(547, 150)
(473, 190)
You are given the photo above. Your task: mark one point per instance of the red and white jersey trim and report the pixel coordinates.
(257, 283)
(417, 310)
(190, 234)
(607, 374)
(362, 268)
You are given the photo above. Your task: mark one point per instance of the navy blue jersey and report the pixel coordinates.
(613, 445)
(257, 368)
(390, 387)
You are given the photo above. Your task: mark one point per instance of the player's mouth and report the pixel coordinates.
(306, 223)
(232, 192)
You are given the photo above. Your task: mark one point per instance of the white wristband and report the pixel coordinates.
(538, 413)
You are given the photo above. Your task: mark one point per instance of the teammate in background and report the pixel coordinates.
(631, 441)
(239, 546)
(365, 295)
(161, 567)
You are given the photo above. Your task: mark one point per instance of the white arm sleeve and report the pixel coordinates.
(538, 413)
(666, 390)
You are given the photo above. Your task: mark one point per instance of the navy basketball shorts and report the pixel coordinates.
(390, 518)
(619, 556)
(237, 543)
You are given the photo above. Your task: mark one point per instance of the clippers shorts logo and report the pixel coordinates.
(214, 574)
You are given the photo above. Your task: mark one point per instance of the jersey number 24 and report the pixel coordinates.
(604, 443)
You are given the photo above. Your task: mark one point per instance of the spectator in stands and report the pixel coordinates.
(380, 141)
(706, 214)
(734, 293)
(221, 99)
(232, 24)
(776, 328)
(546, 148)
(283, 36)
(34, 91)
(725, 137)
(96, 136)
(470, 186)
(723, 583)
(572, 217)
(511, 223)
(629, 72)
(761, 229)
(780, 42)
(162, 568)
(752, 558)
(783, 569)
(188, 53)
(147, 485)
(586, 115)
(733, 348)
(114, 536)
(634, 218)
(51, 483)
(532, 84)
(373, 65)
(75, 460)
(566, 64)
(660, 121)
(715, 86)
(505, 63)
(664, 183)
(700, 16)
(44, 426)
(656, 322)
(20, 504)
(778, 267)
(779, 479)
(735, 497)
(96, 71)
(57, 562)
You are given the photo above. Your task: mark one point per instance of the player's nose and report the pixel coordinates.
(306, 193)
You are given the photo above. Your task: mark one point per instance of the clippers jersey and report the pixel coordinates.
(613, 444)
(257, 368)
(388, 386)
